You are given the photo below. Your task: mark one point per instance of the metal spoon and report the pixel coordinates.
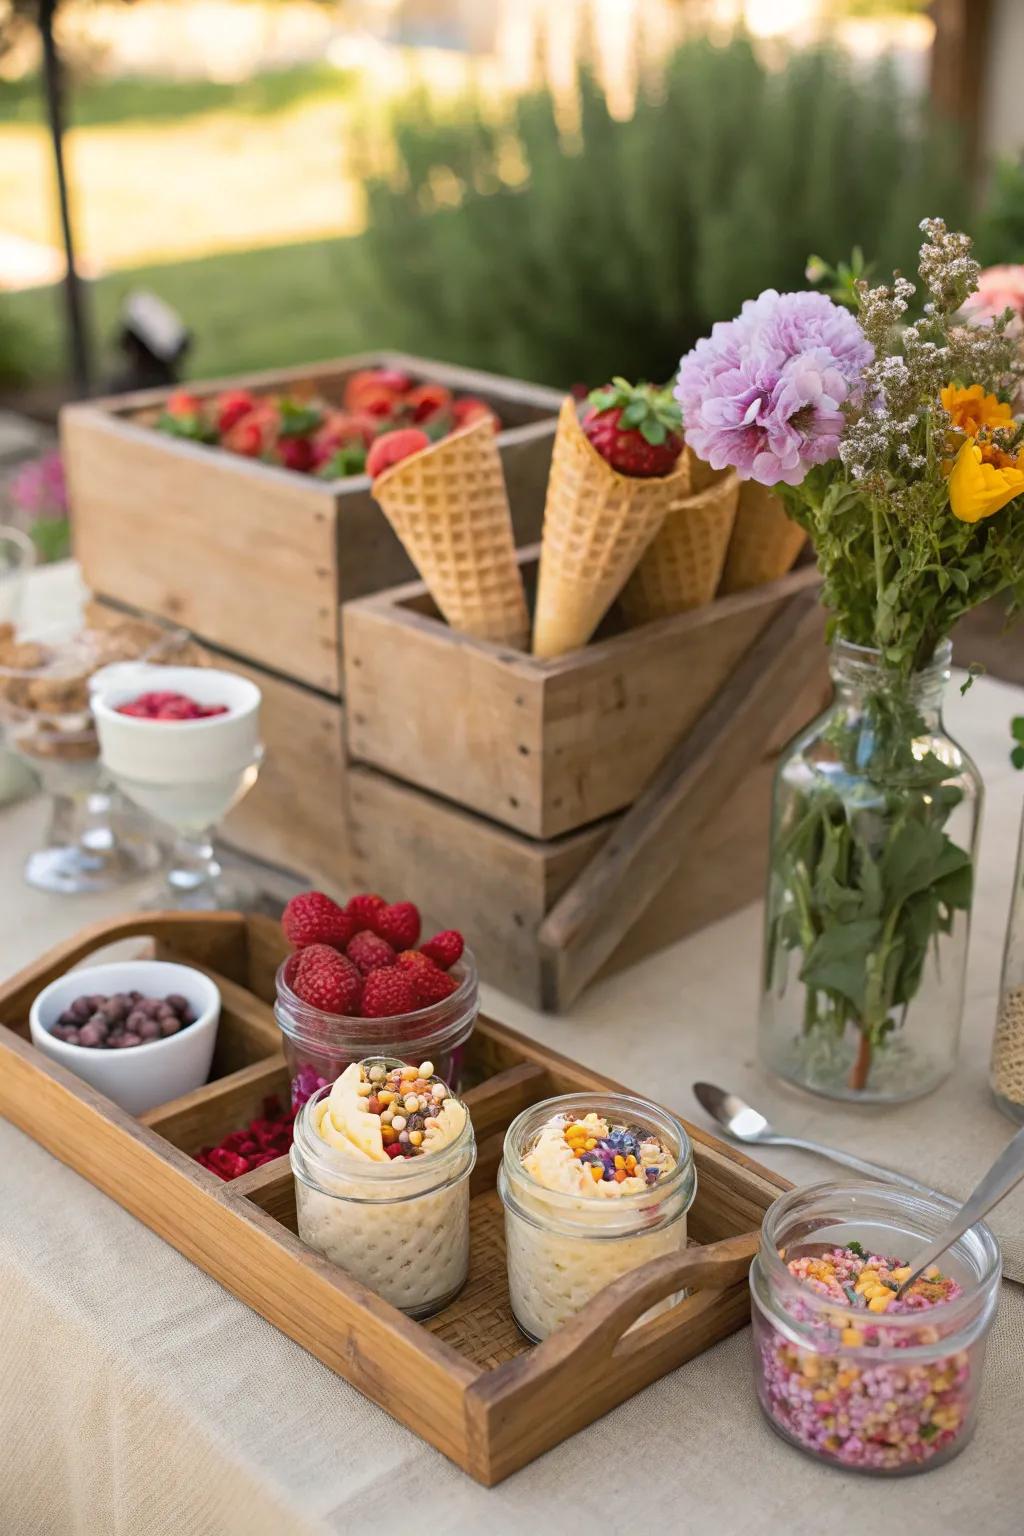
(743, 1122)
(1004, 1175)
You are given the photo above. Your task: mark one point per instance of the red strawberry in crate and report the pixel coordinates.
(430, 983)
(369, 952)
(183, 403)
(399, 924)
(314, 918)
(296, 453)
(231, 405)
(392, 447)
(256, 433)
(327, 980)
(369, 383)
(387, 992)
(468, 409)
(636, 428)
(426, 400)
(444, 948)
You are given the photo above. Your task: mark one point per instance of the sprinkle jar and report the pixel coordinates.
(318, 1046)
(400, 1228)
(854, 1382)
(562, 1249)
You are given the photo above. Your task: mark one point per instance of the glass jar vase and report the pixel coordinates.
(401, 1227)
(561, 1248)
(879, 1392)
(1007, 1070)
(319, 1046)
(874, 833)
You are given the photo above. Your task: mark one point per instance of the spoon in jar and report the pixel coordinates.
(1004, 1175)
(743, 1122)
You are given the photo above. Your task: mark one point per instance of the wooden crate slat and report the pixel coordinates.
(204, 1116)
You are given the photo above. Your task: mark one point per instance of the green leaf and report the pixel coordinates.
(1017, 727)
(1017, 756)
(654, 433)
(835, 961)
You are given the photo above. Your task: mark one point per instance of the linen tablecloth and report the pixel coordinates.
(137, 1398)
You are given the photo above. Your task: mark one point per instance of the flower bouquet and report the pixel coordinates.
(895, 446)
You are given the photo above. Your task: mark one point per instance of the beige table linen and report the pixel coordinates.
(139, 1399)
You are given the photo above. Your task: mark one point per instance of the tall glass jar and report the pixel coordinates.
(319, 1046)
(879, 1392)
(1007, 1070)
(874, 834)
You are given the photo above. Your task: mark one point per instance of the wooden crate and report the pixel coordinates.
(491, 1401)
(253, 558)
(543, 747)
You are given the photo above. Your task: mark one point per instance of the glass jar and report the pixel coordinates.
(319, 1046)
(401, 1228)
(874, 834)
(563, 1249)
(879, 1392)
(1007, 1069)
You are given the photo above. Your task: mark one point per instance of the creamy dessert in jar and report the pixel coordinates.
(591, 1191)
(382, 1160)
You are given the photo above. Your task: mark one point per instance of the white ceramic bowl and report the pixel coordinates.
(141, 1076)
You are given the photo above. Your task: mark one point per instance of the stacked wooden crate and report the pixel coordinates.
(256, 561)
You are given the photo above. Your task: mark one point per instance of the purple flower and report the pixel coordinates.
(764, 392)
(38, 487)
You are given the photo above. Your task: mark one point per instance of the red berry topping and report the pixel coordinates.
(399, 924)
(387, 992)
(444, 948)
(169, 706)
(391, 447)
(430, 982)
(393, 1149)
(638, 429)
(361, 910)
(327, 980)
(369, 952)
(314, 918)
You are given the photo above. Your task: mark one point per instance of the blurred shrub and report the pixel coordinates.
(15, 347)
(509, 243)
(1001, 226)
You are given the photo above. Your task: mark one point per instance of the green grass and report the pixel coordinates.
(92, 103)
(248, 310)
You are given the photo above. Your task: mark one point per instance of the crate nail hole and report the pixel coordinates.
(524, 750)
(517, 918)
(513, 802)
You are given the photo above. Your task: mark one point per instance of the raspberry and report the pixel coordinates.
(361, 911)
(387, 992)
(369, 952)
(399, 924)
(430, 983)
(327, 980)
(444, 948)
(314, 918)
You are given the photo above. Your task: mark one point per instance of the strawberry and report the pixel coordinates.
(425, 399)
(391, 447)
(314, 918)
(387, 992)
(637, 429)
(296, 453)
(327, 980)
(256, 433)
(368, 952)
(399, 924)
(444, 948)
(183, 403)
(468, 409)
(430, 982)
(232, 405)
(371, 383)
(361, 909)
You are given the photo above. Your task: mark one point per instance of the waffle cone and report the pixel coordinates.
(449, 506)
(765, 541)
(597, 524)
(682, 565)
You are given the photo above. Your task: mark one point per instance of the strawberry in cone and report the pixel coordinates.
(614, 476)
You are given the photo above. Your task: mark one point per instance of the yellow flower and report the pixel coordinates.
(971, 410)
(983, 479)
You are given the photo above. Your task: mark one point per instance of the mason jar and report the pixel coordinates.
(319, 1046)
(873, 1392)
(874, 835)
(401, 1227)
(563, 1249)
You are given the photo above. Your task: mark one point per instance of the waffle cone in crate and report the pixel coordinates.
(765, 541)
(597, 524)
(682, 565)
(449, 506)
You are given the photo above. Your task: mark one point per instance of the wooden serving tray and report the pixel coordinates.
(486, 1397)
